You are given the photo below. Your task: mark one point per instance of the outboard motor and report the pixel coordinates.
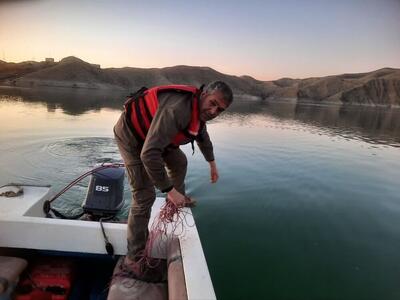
(105, 197)
(105, 192)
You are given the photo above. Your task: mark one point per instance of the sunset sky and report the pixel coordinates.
(263, 39)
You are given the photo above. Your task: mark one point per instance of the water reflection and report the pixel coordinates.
(71, 101)
(373, 125)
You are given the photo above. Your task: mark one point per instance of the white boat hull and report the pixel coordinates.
(24, 225)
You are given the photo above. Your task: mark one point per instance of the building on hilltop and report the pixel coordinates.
(49, 59)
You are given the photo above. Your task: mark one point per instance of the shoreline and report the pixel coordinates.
(246, 97)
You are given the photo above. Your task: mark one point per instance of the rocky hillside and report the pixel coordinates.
(380, 87)
(73, 72)
(11, 71)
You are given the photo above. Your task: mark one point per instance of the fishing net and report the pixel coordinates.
(168, 225)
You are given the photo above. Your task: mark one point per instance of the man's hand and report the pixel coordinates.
(177, 198)
(213, 172)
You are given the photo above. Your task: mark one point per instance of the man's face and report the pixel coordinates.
(211, 105)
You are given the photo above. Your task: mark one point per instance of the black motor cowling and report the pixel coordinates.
(105, 192)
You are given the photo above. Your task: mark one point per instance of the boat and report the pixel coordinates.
(27, 233)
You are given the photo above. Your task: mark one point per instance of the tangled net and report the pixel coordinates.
(168, 224)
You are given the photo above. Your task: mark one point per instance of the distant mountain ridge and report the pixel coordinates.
(380, 87)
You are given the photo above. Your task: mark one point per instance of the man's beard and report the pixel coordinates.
(206, 116)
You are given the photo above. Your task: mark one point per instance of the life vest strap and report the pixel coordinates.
(128, 119)
(131, 107)
(140, 124)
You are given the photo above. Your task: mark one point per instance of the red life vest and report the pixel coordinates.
(141, 107)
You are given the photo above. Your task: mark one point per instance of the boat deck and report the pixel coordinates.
(24, 225)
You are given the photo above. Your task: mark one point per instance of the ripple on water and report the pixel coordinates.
(92, 149)
(60, 162)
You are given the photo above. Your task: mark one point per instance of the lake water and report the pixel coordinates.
(308, 201)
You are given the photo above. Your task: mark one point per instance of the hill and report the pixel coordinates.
(380, 87)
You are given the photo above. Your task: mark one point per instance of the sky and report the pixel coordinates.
(267, 39)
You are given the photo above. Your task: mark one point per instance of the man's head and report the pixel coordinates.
(216, 97)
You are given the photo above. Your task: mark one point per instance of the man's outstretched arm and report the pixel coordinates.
(206, 148)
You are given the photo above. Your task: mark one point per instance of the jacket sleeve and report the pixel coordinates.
(205, 144)
(167, 122)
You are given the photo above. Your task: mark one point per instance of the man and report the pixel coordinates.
(148, 134)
